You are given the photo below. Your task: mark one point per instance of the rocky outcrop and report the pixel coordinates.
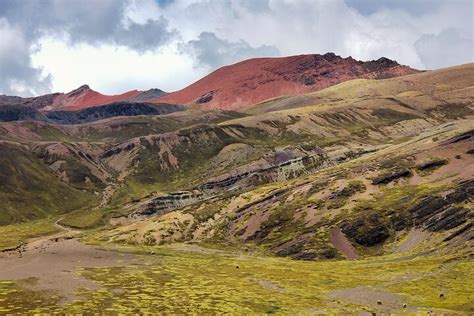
(459, 138)
(431, 164)
(205, 98)
(283, 171)
(169, 202)
(436, 213)
(287, 170)
(391, 176)
(433, 213)
(367, 231)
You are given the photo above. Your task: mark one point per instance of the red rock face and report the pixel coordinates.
(255, 80)
(84, 97)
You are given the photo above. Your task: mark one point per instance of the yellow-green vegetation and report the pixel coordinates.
(452, 287)
(84, 219)
(215, 282)
(13, 236)
(29, 190)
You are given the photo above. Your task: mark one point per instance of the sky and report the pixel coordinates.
(120, 45)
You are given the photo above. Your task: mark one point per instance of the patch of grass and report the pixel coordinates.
(13, 236)
(448, 288)
(218, 281)
(84, 219)
(453, 111)
(29, 190)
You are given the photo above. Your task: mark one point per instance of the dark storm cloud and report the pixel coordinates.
(213, 52)
(91, 22)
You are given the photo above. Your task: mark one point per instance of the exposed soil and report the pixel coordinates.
(52, 260)
(413, 239)
(365, 296)
(342, 244)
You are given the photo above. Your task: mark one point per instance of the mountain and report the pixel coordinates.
(235, 86)
(96, 113)
(78, 99)
(84, 97)
(356, 197)
(255, 80)
(147, 95)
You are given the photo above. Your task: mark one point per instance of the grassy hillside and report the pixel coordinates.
(29, 190)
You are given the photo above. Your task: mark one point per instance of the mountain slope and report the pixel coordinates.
(80, 98)
(254, 80)
(283, 181)
(123, 108)
(84, 97)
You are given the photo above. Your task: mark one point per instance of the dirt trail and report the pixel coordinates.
(342, 244)
(52, 261)
(107, 195)
(413, 239)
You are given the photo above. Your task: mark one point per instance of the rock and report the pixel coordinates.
(205, 97)
(464, 136)
(389, 177)
(432, 164)
(450, 218)
(426, 207)
(366, 231)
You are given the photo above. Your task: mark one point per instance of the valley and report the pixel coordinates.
(354, 196)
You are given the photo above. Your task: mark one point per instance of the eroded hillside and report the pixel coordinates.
(274, 178)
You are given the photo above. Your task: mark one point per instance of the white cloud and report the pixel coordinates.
(447, 47)
(111, 69)
(121, 47)
(16, 73)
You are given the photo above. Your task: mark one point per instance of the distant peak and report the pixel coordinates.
(386, 61)
(83, 87)
(331, 56)
(79, 90)
(154, 90)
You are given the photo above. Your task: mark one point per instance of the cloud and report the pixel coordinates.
(17, 76)
(213, 52)
(445, 48)
(104, 22)
(111, 70)
(367, 7)
(201, 35)
(75, 22)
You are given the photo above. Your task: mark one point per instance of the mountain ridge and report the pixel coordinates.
(254, 80)
(234, 86)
